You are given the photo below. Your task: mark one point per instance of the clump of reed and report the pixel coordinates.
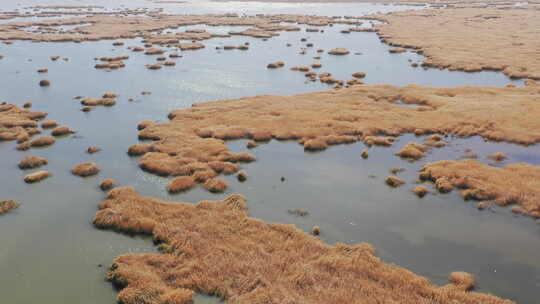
(216, 185)
(85, 169)
(36, 176)
(412, 151)
(7, 205)
(394, 181)
(107, 184)
(32, 161)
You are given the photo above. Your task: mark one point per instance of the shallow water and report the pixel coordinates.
(51, 253)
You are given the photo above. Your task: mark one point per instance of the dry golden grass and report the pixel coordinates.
(420, 191)
(180, 184)
(215, 248)
(85, 169)
(42, 141)
(104, 27)
(18, 123)
(471, 39)
(498, 156)
(61, 131)
(32, 161)
(36, 176)
(195, 136)
(394, 181)
(412, 151)
(98, 102)
(49, 124)
(216, 185)
(6, 206)
(514, 184)
(107, 184)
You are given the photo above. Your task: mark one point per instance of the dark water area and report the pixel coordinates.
(51, 253)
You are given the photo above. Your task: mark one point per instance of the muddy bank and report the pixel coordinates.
(188, 233)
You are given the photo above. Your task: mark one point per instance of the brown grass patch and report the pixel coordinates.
(215, 248)
(32, 161)
(412, 151)
(394, 181)
(502, 39)
(317, 120)
(49, 124)
(242, 176)
(61, 131)
(338, 51)
(36, 176)
(216, 185)
(180, 184)
(420, 191)
(92, 102)
(85, 169)
(498, 156)
(6, 206)
(107, 184)
(514, 184)
(93, 149)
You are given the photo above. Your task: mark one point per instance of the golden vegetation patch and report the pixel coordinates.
(18, 123)
(32, 161)
(85, 169)
(215, 248)
(6, 206)
(195, 137)
(150, 28)
(470, 39)
(516, 184)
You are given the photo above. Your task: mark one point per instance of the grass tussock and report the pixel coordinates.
(216, 185)
(85, 169)
(93, 149)
(412, 151)
(394, 181)
(32, 161)
(92, 102)
(61, 131)
(36, 176)
(6, 206)
(179, 184)
(420, 191)
(499, 156)
(215, 248)
(49, 124)
(516, 184)
(107, 184)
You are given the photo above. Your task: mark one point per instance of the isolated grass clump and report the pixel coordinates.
(412, 151)
(32, 161)
(213, 247)
(107, 184)
(36, 176)
(420, 191)
(7, 205)
(394, 181)
(499, 156)
(61, 131)
(516, 184)
(85, 169)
